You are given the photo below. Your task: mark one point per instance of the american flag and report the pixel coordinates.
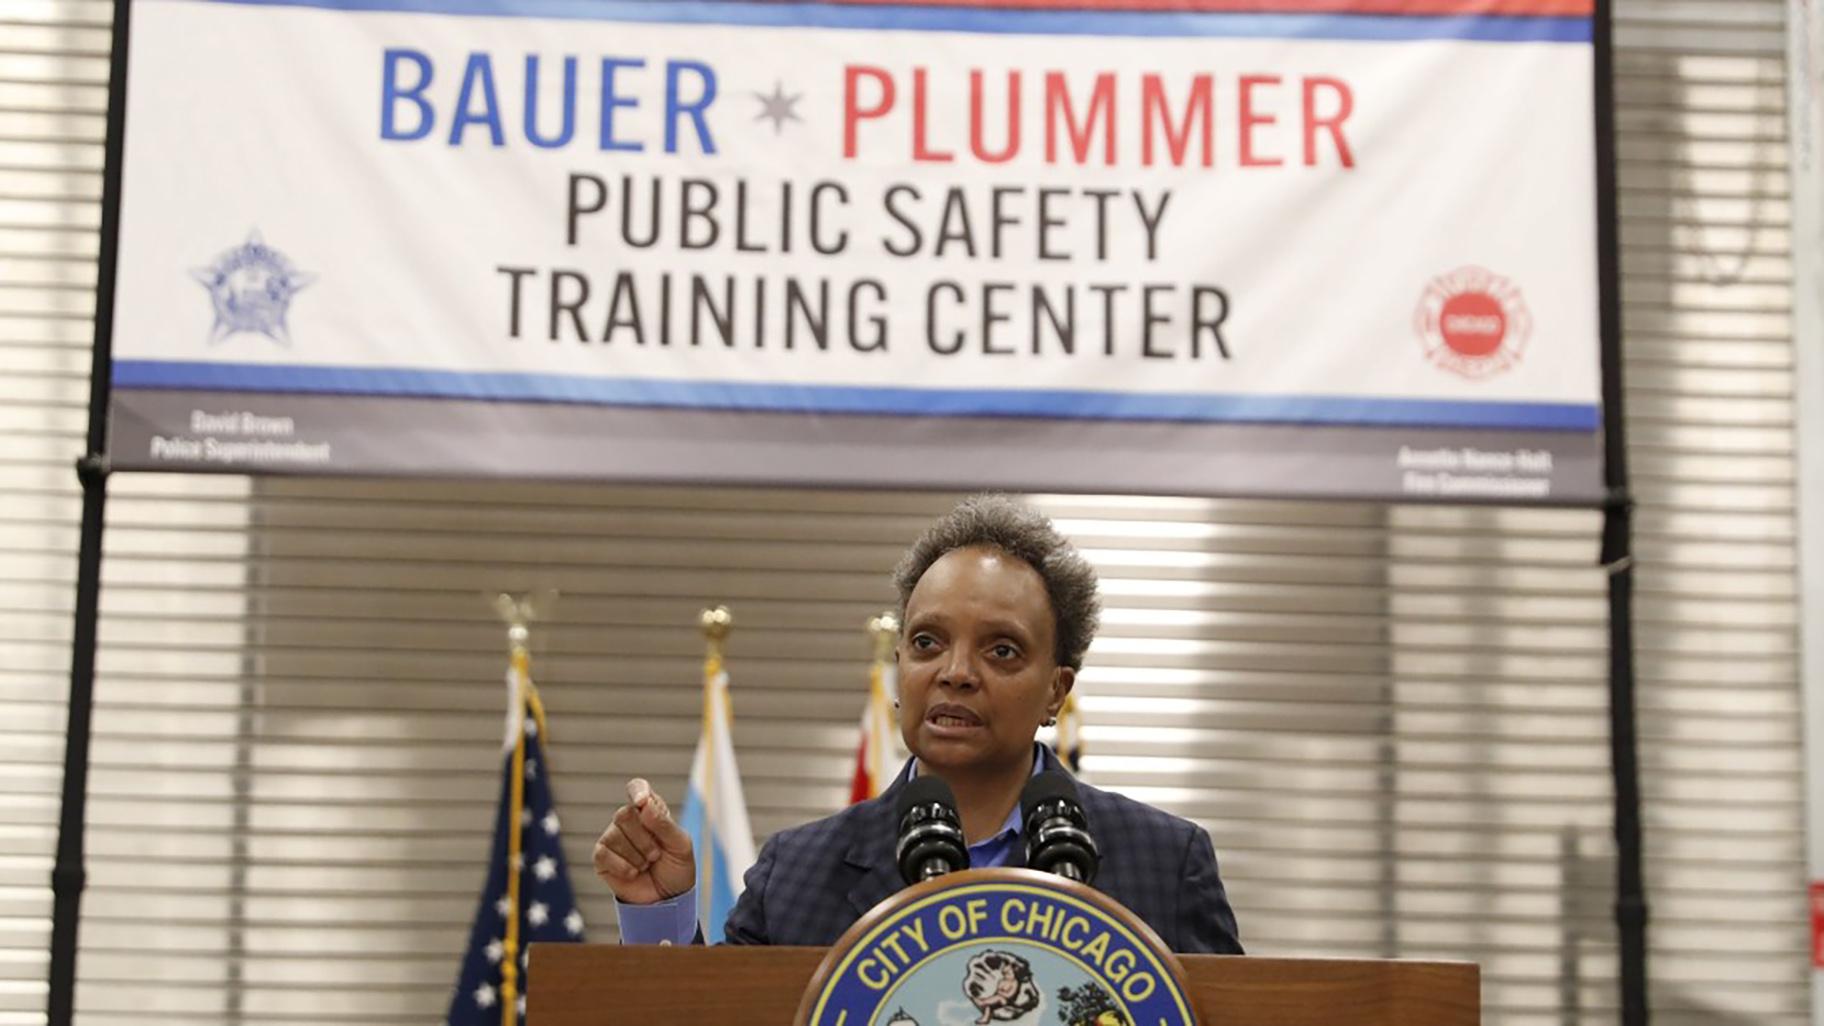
(532, 904)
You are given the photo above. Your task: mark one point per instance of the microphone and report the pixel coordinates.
(1057, 832)
(930, 831)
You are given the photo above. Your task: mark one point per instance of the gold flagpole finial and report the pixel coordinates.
(885, 630)
(518, 611)
(716, 622)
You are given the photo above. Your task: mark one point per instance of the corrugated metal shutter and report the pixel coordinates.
(1392, 719)
(53, 90)
(1707, 300)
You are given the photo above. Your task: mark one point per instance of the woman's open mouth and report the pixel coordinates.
(952, 719)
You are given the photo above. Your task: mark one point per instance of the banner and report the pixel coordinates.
(1269, 247)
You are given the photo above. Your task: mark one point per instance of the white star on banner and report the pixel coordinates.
(522, 1006)
(531, 769)
(504, 906)
(574, 923)
(537, 914)
(484, 996)
(531, 727)
(496, 950)
(551, 824)
(525, 818)
(545, 868)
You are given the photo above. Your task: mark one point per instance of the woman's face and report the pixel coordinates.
(977, 671)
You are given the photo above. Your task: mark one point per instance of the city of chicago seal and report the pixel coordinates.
(1006, 947)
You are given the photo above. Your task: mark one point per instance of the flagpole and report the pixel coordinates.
(716, 622)
(509, 967)
(517, 612)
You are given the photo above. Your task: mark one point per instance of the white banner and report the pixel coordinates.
(1076, 218)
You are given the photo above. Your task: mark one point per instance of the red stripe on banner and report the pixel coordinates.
(1417, 8)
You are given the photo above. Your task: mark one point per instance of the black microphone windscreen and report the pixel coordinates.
(930, 831)
(1043, 788)
(923, 791)
(1057, 832)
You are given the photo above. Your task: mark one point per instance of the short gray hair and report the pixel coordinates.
(1000, 523)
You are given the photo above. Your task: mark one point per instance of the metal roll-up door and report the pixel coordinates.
(1707, 279)
(53, 93)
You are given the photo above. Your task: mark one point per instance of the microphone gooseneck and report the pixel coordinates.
(1057, 832)
(930, 831)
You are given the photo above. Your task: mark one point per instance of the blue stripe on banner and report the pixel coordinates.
(987, 20)
(1055, 404)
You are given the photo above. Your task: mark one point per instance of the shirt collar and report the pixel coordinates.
(1015, 821)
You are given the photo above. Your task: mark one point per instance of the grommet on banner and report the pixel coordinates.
(93, 469)
(1617, 553)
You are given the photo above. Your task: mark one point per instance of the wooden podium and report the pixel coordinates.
(605, 985)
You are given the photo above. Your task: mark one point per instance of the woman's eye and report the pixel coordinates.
(923, 642)
(1005, 651)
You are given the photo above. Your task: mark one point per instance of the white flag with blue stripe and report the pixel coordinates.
(715, 810)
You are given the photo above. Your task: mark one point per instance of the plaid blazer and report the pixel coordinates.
(812, 882)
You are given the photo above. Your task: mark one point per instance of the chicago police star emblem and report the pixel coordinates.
(251, 287)
(1006, 948)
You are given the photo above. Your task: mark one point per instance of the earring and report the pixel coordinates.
(1051, 721)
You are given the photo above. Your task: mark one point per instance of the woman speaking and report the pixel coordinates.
(997, 610)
